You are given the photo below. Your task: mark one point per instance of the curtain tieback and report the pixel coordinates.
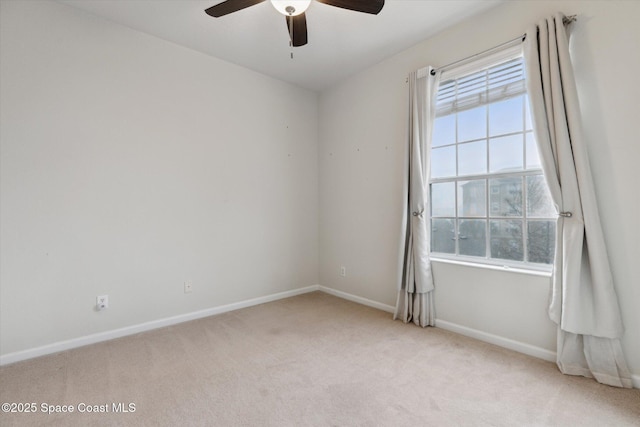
(418, 213)
(565, 214)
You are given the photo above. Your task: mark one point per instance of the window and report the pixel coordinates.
(489, 200)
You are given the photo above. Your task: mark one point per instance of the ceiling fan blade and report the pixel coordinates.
(367, 6)
(299, 33)
(230, 6)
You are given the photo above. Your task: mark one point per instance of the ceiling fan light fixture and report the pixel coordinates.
(291, 7)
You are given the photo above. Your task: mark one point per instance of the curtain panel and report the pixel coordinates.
(415, 280)
(583, 300)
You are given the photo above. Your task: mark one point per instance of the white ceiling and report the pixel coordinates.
(341, 42)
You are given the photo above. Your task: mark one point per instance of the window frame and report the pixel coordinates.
(465, 69)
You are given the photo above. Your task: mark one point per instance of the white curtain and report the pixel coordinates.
(415, 293)
(583, 299)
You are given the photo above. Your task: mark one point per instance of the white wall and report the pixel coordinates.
(129, 165)
(362, 134)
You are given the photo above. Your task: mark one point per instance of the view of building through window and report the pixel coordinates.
(489, 199)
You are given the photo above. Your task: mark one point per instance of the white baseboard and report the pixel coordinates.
(147, 326)
(359, 300)
(518, 346)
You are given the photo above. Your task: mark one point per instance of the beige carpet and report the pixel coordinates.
(311, 360)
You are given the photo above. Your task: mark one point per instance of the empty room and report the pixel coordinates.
(319, 213)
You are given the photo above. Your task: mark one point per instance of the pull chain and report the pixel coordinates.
(291, 34)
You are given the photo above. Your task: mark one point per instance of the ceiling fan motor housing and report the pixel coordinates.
(291, 7)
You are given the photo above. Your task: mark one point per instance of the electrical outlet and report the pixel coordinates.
(343, 271)
(102, 302)
(188, 287)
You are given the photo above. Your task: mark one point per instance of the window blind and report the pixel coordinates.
(499, 82)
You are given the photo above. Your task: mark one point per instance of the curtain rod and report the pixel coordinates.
(566, 21)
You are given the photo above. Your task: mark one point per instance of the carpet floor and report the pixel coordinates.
(310, 360)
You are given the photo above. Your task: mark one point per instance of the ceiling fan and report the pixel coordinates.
(294, 10)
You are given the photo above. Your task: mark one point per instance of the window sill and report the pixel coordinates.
(495, 267)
